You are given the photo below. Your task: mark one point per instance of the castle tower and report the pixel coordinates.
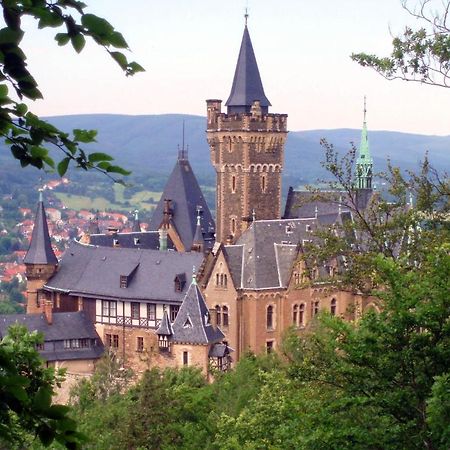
(247, 150)
(364, 162)
(40, 260)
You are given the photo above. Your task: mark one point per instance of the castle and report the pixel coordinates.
(136, 292)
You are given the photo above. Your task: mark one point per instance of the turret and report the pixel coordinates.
(40, 260)
(364, 162)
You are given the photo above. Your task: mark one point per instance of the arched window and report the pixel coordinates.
(301, 317)
(333, 307)
(233, 184)
(295, 315)
(217, 279)
(225, 316)
(218, 315)
(263, 183)
(315, 308)
(269, 317)
(221, 279)
(233, 226)
(225, 280)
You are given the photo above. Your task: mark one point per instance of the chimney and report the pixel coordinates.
(163, 239)
(213, 318)
(48, 311)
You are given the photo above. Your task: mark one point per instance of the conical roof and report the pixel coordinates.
(192, 324)
(364, 156)
(186, 198)
(165, 329)
(247, 85)
(40, 250)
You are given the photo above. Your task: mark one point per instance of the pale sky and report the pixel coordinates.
(189, 49)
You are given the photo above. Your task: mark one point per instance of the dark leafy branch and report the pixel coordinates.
(27, 135)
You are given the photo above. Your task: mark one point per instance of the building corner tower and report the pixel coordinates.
(247, 150)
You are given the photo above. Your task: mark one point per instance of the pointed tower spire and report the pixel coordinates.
(40, 250)
(247, 85)
(198, 242)
(364, 162)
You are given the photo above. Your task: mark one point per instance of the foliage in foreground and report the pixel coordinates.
(26, 390)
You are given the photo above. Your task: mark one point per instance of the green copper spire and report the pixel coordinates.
(364, 162)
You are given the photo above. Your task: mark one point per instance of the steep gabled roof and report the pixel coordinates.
(95, 271)
(247, 85)
(40, 250)
(192, 324)
(165, 329)
(186, 197)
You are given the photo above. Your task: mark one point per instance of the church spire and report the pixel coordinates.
(364, 162)
(40, 250)
(247, 85)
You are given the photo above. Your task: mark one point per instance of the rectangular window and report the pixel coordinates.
(135, 310)
(315, 308)
(185, 358)
(40, 346)
(115, 341)
(109, 308)
(269, 346)
(173, 312)
(151, 311)
(139, 344)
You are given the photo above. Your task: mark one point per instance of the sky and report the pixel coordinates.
(189, 49)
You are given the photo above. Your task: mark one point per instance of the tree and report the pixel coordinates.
(27, 135)
(421, 55)
(26, 390)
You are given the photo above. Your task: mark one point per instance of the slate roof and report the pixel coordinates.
(68, 325)
(263, 256)
(247, 85)
(93, 271)
(165, 329)
(40, 250)
(142, 239)
(192, 324)
(220, 350)
(186, 196)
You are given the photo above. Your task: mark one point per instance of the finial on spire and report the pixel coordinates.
(194, 276)
(253, 214)
(182, 154)
(316, 212)
(198, 215)
(136, 214)
(41, 190)
(365, 109)
(246, 15)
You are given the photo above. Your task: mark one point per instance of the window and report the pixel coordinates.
(123, 281)
(218, 315)
(225, 316)
(173, 312)
(112, 340)
(139, 344)
(109, 308)
(295, 315)
(221, 280)
(269, 318)
(185, 358)
(296, 278)
(135, 310)
(269, 346)
(151, 311)
(136, 241)
(233, 184)
(301, 315)
(76, 343)
(264, 183)
(163, 342)
(315, 308)
(333, 307)
(40, 346)
(233, 226)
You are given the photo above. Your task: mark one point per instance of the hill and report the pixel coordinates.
(147, 144)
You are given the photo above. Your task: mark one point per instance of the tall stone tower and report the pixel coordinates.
(40, 260)
(247, 150)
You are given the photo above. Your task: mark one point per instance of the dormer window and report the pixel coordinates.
(123, 281)
(137, 241)
(187, 323)
(115, 242)
(180, 281)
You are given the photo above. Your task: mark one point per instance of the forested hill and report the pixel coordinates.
(148, 144)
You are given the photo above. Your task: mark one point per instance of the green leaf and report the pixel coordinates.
(85, 136)
(46, 434)
(120, 58)
(62, 166)
(43, 398)
(21, 109)
(57, 411)
(117, 40)
(38, 152)
(134, 67)
(3, 90)
(96, 24)
(9, 36)
(96, 157)
(78, 42)
(117, 169)
(62, 38)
